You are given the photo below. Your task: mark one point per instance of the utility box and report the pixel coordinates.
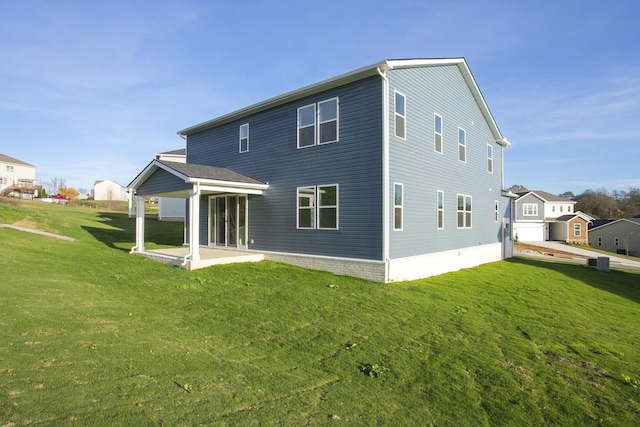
(602, 264)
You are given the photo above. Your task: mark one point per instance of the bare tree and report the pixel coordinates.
(54, 186)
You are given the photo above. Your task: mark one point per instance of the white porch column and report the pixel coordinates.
(139, 247)
(194, 222)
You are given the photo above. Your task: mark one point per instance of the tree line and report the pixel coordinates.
(602, 203)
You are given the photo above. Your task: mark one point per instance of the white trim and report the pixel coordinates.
(396, 114)
(337, 207)
(385, 170)
(311, 208)
(489, 158)
(464, 211)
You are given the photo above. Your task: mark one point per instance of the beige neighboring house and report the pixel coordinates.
(109, 190)
(170, 208)
(17, 178)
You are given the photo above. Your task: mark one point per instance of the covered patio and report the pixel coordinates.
(192, 182)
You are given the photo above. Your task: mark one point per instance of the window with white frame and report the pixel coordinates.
(440, 209)
(244, 138)
(462, 145)
(569, 208)
(490, 158)
(437, 133)
(9, 168)
(318, 207)
(326, 115)
(306, 207)
(328, 207)
(496, 217)
(400, 123)
(577, 229)
(529, 209)
(464, 211)
(398, 204)
(328, 121)
(307, 126)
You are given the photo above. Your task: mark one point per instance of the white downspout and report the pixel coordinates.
(385, 172)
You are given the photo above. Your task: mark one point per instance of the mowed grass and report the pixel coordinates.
(91, 335)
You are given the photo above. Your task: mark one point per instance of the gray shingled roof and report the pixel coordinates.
(209, 172)
(180, 152)
(546, 196)
(6, 159)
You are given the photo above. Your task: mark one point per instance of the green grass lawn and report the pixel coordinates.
(91, 335)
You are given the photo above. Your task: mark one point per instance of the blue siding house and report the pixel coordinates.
(389, 172)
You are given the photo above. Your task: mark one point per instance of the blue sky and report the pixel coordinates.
(92, 90)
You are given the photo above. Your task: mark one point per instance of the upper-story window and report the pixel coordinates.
(9, 168)
(529, 209)
(325, 114)
(307, 126)
(490, 158)
(437, 133)
(462, 145)
(400, 123)
(244, 138)
(569, 208)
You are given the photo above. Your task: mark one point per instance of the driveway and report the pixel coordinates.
(580, 255)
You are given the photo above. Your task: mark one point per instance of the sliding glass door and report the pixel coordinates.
(228, 221)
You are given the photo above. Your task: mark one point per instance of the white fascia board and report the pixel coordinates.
(230, 188)
(149, 170)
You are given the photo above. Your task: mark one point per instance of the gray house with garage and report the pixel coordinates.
(390, 172)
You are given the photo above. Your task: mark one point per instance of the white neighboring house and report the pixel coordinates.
(17, 177)
(541, 216)
(170, 208)
(109, 190)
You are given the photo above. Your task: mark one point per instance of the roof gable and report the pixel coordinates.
(350, 77)
(7, 159)
(546, 197)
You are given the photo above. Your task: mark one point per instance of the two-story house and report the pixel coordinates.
(17, 178)
(389, 172)
(541, 216)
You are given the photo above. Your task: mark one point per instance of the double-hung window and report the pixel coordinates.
(244, 138)
(529, 209)
(400, 122)
(397, 206)
(577, 229)
(489, 158)
(496, 217)
(462, 145)
(318, 207)
(325, 114)
(440, 209)
(464, 211)
(437, 133)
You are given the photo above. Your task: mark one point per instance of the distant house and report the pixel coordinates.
(109, 190)
(171, 208)
(619, 236)
(541, 216)
(17, 178)
(390, 172)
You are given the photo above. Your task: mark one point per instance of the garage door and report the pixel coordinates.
(529, 233)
